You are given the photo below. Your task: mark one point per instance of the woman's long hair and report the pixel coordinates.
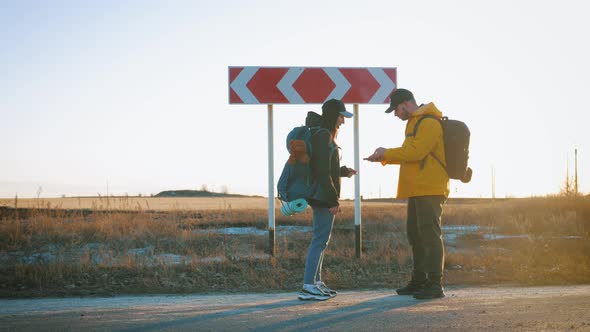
(330, 119)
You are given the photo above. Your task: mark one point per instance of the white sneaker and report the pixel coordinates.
(324, 288)
(312, 292)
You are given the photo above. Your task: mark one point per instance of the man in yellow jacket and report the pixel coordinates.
(423, 180)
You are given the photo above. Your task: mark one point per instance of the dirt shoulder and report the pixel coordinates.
(464, 308)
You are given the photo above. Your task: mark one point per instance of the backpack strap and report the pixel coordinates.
(314, 131)
(437, 159)
(427, 116)
(423, 162)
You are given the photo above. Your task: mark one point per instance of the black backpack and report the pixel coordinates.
(456, 139)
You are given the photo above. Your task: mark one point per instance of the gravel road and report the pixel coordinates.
(464, 308)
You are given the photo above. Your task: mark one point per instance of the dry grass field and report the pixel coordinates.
(151, 203)
(95, 246)
(141, 203)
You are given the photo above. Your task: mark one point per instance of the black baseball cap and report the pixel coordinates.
(335, 105)
(397, 97)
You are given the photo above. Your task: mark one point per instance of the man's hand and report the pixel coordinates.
(378, 155)
(467, 177)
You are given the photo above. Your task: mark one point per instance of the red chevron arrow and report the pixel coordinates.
(363, 85)
(233, 96)
(314, 85)
(264, 85)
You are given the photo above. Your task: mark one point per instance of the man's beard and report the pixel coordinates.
(404, 115)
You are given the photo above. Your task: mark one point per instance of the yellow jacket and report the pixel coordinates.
(420, 174)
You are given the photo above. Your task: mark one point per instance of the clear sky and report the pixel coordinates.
(133, 95)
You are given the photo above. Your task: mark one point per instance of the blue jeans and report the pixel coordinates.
(323, 221)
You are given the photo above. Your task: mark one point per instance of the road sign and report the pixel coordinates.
(310, 85)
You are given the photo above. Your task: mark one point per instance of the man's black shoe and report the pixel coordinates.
(430, 291)
(413, 287)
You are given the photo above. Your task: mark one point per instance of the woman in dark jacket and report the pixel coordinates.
(326, 172)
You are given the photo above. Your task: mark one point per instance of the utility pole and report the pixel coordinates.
(493, 182)
(568, 184)
(576, 172)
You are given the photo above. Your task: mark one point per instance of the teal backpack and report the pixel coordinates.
(296, 183)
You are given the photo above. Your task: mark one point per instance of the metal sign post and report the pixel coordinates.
(311, 85)
(271, 188)
(358, 239)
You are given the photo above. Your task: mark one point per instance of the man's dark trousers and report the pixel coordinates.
(425, 236)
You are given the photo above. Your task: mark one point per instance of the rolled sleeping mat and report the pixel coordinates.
(292, 207)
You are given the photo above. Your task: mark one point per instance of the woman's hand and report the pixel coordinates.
(347, 172)
(335, 210)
